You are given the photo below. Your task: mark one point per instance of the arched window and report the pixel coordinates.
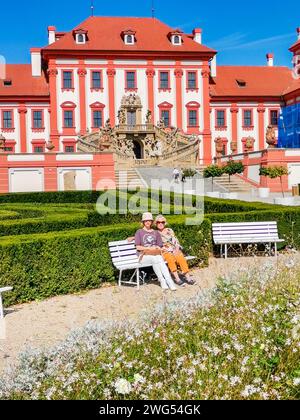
(80, 38)
(176, 39)
(129, 39)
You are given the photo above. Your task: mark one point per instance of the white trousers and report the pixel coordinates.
(161, 270)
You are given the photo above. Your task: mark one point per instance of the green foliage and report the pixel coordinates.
(189, 173)
(213, 171)
(274, 172)
(233, 168)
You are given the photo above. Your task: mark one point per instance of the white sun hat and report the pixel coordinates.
(147, 216)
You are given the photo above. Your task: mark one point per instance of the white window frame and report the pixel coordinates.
(80, 42)
(176, 43)
(132, 39)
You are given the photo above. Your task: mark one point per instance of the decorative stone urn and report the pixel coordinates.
(271, 137)
(249, 143)
(233, 146)
(2, 143)
(219, 145)
(50, 146)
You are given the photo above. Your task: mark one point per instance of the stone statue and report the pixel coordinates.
(271, 136)
(161, 123)
(149, 117)
(122, 116)
(107, 124)
(2, 142)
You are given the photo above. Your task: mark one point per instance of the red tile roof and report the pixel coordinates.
(295, 46)
(104, 33)
(294, 85)
(23, 84)
(260, 81)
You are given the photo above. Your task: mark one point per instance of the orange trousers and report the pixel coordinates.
(173, 260)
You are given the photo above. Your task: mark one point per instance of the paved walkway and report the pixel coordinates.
(43, 324)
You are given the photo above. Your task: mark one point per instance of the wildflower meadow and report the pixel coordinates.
(239, 341)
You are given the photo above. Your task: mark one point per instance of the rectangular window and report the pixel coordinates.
(68, 119)
(96, 79)
(37, 119)
(247, 118)
(274, 117)
(193, 118)
(165, 115)
(130, 80)
(192, 82)
(97, 119)
(7, 119)
(67, 80)
(220, 118)
(8, 149)
(69, 149)
(164, 80)
(38, 149)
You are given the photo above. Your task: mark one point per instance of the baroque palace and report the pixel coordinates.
(119, 93)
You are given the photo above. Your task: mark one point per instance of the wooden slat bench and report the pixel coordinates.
(124, 257)
(2, 290)
(225, 234)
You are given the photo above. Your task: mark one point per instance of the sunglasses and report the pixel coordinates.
(160, 223)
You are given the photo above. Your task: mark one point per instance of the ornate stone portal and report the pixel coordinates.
(134, 143)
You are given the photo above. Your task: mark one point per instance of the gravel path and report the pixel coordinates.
(43, 324)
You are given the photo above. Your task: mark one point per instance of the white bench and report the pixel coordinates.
(225, 234)
(124, 257)
(2, 290)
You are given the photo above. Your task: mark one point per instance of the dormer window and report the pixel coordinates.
(7, 82)
(80, 36)
(80, 39)
(128, 37)
(176, 37)
(241, 83)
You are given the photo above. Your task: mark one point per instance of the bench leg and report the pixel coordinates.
(226, 252)
(1, 308)
(138, 278)
(221, 250)
(120, 277)
(276, 250)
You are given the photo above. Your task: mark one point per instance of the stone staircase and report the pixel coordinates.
(129, 179)
(236, 184)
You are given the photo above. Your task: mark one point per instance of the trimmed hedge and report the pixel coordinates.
(46, 250)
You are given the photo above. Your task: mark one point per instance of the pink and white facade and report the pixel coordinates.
(77, 82)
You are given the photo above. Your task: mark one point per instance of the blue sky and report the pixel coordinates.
(242, 32)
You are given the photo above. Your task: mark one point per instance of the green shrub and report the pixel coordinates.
(233, 168)
(213, 171)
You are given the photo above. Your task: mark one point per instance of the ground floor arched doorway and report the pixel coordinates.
(138, 149)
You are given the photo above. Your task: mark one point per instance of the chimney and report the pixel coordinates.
(298, 33)
(213, 67)
(36, 62)
(197, 35)
(51, 34)
(270, 59)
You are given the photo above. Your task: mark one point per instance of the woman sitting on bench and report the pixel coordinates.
(172, 252)
(149, 245)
